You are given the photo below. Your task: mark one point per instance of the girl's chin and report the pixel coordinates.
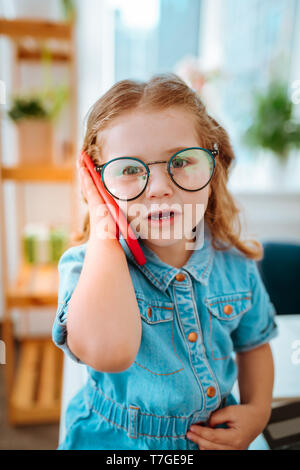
(160, 236)
(164, 236)
(163, 242)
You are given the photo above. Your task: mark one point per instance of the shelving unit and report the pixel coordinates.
(33, 382)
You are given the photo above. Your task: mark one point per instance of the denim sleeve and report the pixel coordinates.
(257, 325)
(69, 268)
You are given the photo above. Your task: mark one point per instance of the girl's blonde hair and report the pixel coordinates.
(161, 92)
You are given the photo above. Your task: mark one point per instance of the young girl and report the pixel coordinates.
(163, 342)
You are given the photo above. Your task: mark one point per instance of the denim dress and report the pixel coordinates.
(194, 319)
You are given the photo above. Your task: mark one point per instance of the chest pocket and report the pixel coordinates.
(225, 312)
(157, 354)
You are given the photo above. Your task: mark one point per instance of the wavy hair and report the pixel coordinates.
(161, 92)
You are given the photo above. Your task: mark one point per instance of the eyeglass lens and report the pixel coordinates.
(126, 178)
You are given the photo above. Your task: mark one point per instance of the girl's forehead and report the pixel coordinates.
(174, 113)
(170, 128)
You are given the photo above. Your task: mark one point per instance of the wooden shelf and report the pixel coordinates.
(36, 394)
(33, 383)
(35, 285)
(36, 54)
(38, 173)
(21, 27)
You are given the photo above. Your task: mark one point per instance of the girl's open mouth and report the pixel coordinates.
(162, 218)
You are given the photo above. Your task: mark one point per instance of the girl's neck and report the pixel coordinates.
(175, 255)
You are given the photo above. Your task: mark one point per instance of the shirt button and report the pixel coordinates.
(210, 392)
(149, 312)
(228, 309)
(192, 337)
(180, 277)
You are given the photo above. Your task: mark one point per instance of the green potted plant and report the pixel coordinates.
(33, 114)
(69, 10)
(273, 127)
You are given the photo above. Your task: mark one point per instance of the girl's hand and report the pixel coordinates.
(102, 225)
(245, 423)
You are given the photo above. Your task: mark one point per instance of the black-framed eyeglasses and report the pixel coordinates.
(190, 169)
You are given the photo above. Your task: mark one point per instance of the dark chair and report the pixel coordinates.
(280, 272)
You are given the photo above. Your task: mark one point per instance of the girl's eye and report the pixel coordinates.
(179, 162)
(132, 170)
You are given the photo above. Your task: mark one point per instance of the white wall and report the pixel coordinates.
(270, 216)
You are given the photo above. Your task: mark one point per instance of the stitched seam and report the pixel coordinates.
(155, 373)
(162, 437)
(165, 276)
(106, 419)
(167, 416)
(154, 306)
(211, 349)
(174, 345)
(228, 317)
(261, 341)
(125, 408)
(146, 269)
(230, 300)
(135, 436)
(168, 373)
(155, 322)
(137, 408)
(108, 398)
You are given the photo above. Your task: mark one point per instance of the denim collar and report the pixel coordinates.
(199, 264)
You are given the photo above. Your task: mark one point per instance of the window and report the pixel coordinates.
(255, 40)
(243, 39)
(153, 35)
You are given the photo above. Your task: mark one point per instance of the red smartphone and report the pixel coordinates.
(116, 212)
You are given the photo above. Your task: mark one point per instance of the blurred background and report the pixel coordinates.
(57, 57)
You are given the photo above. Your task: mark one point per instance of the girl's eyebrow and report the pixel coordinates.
(166, 152)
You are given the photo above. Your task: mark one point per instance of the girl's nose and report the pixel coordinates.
(159, 183)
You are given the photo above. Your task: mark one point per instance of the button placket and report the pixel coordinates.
(188, 318)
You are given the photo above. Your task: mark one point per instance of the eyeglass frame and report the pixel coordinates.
(213, 153)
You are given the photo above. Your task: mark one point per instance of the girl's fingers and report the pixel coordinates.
(91, 192)
(102, 223)
(79, 162)
(204, 444)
